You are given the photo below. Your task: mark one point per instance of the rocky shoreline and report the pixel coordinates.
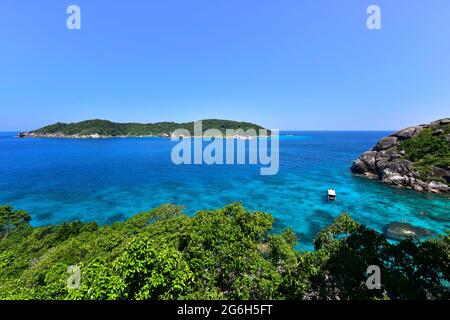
(387, 163)
(81, 136)
(98, 136)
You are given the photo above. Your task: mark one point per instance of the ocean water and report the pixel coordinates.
(108, 180)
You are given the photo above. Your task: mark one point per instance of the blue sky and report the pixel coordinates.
(287, 64)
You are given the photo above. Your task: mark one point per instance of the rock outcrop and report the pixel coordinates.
(386, 162)
(401, 231)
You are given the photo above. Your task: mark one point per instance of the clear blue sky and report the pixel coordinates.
(287, 64)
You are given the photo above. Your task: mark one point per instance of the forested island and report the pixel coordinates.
(229, 253)
(107, 129)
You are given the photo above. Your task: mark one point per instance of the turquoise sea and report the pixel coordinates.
(108, 180)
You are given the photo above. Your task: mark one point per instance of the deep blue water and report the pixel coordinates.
(108, 180)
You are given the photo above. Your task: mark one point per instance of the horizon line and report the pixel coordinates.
(293, 130)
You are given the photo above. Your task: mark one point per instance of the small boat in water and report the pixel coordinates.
(331, 194)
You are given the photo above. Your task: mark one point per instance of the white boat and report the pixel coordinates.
(331, 194)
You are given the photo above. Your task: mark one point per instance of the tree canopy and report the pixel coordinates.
(229, 253)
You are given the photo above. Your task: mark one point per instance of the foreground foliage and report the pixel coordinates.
(228, 253)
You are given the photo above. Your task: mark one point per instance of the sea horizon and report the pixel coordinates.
(61, 180)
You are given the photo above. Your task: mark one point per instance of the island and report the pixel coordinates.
(416, 157)
(97, 129)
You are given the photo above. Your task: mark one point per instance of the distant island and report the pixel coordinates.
(95, 129)
(417, 157)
